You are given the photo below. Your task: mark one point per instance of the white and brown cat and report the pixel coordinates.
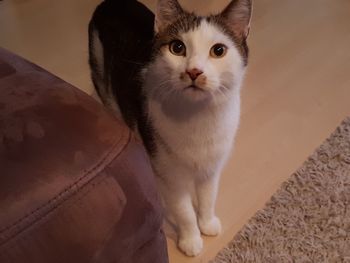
(190, 109)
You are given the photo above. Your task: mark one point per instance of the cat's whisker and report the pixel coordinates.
(223, 90)
(163, 83)
(213, 97)
(173, 92)
(166, 94)
(161, 88)
(223, 87)
(223, 94)
(166, 91)
(166, 81)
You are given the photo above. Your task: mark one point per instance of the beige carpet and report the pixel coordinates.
(308, 219)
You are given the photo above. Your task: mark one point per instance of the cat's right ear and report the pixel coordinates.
(167, 12)
(238, 15)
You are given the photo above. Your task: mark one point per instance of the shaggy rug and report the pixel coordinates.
(308, 219)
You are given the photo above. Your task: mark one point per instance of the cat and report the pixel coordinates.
(189, 108)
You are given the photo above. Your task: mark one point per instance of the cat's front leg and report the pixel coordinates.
(178, 203)
(206, 189)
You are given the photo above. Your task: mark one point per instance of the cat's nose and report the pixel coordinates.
(194, 73)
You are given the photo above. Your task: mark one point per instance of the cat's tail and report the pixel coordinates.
(96, 60)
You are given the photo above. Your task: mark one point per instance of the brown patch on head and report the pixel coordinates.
(240, 43)
(183, 24)
(167, 13)
(234, 21)
(171, 21)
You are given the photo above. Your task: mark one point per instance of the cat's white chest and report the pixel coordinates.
(202, 141)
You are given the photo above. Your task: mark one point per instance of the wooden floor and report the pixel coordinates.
(296, 92)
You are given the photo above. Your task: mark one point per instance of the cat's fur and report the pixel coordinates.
(120, 43)
(190, 129)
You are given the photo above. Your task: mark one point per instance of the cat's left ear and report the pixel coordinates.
(168, 11)
(238, 15)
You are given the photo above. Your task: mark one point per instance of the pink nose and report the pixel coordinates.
(194, 73)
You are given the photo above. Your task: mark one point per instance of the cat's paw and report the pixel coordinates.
(210, 227)
(191, 245)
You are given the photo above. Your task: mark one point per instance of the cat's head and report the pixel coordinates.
(199, 57)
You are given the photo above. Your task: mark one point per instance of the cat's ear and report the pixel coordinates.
(238, 15)
(167, 12)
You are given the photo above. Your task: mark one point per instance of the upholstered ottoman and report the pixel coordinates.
(75, 184)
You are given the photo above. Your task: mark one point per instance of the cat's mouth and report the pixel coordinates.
(194, 88)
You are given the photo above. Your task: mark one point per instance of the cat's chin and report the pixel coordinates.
(195, 93)
(194, 88)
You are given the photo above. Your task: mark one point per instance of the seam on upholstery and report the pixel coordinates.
(71, 186)
(43, 216)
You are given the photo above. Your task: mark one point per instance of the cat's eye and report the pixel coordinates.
(177, 48)
(218, 51)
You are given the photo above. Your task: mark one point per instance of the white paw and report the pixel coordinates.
(210, 227)
(191, 245)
